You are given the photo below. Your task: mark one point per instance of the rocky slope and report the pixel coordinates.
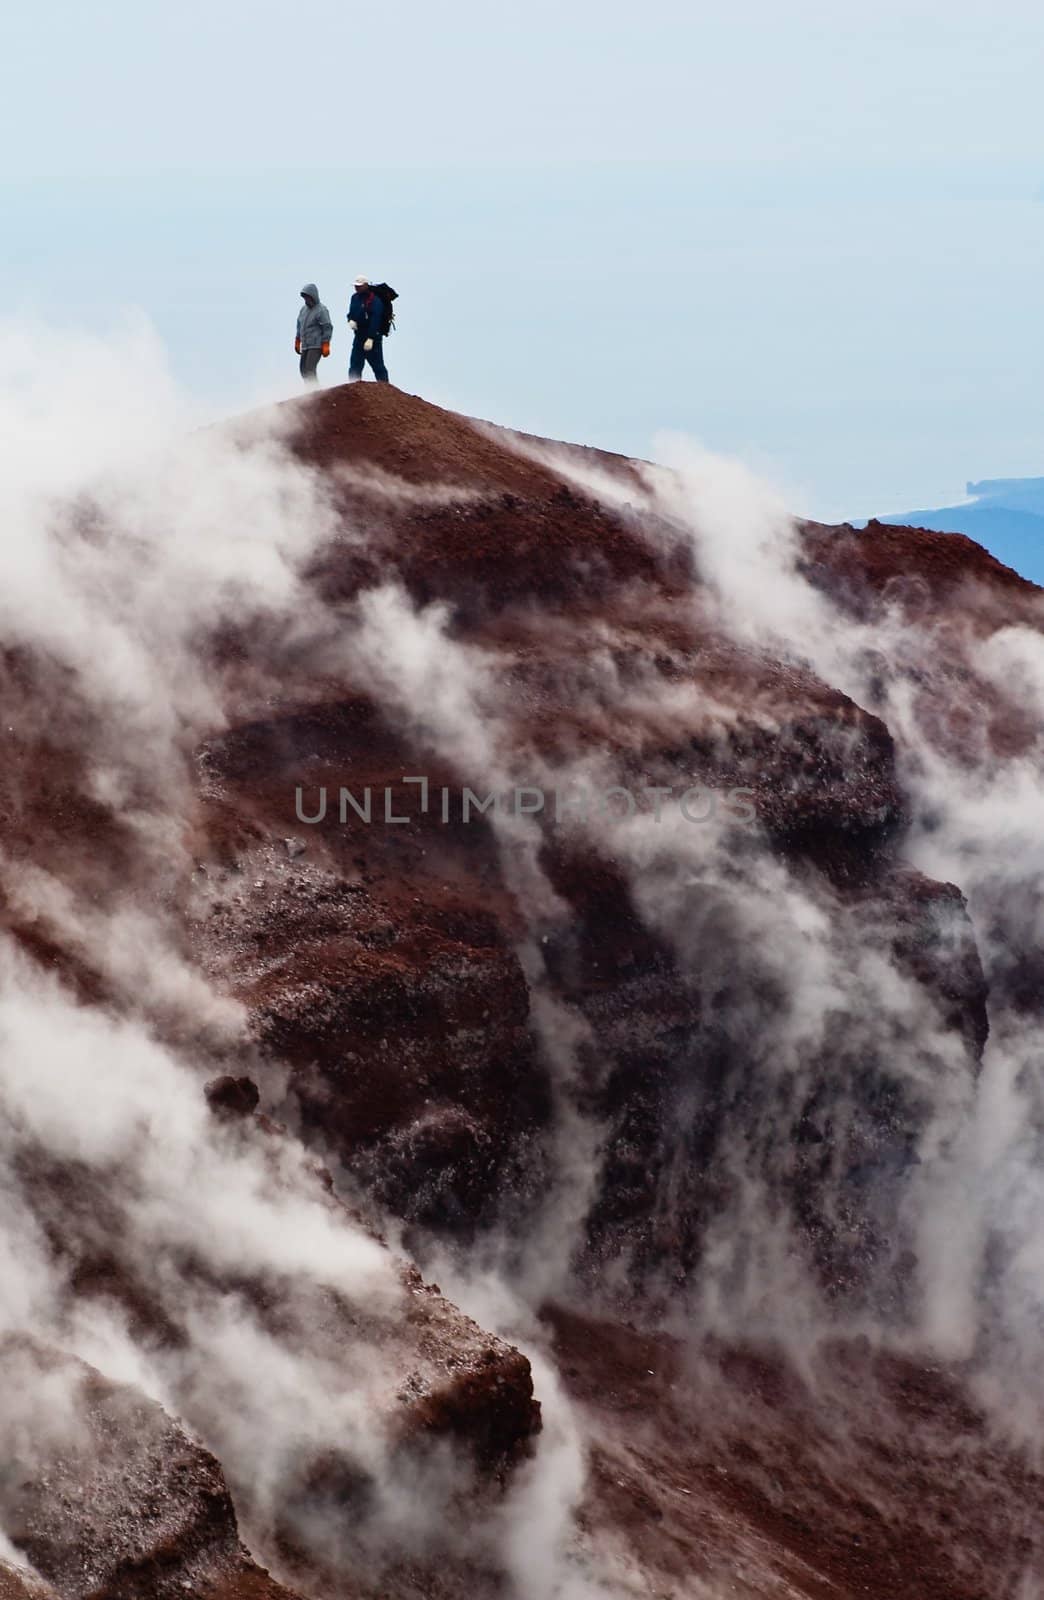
(678, 1042)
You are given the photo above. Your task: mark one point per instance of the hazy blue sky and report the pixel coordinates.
(807, 233)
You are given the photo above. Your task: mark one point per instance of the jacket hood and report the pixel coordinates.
(310, 289)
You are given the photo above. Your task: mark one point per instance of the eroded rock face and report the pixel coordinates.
(383, 962)
(434, 1380)
(766, 996)
(100, 1490)
(760, 1487)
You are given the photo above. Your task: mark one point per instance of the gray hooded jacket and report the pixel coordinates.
(314, 328)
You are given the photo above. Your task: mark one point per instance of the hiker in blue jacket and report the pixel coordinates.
(314, 332)
(366, 319)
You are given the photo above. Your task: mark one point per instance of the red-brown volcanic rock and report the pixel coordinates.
(16, 1585)
(726, 1467)
(915, 568)
(106, 1496)
(381, 962)
(393, 980)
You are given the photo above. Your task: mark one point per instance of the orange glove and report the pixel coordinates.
(326, 348)
(297, 346)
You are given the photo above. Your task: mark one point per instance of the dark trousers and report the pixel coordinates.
(309, 361)
(375, 357)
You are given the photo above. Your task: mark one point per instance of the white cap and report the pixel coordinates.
(362, 283)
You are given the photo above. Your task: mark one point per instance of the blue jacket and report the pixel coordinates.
(314, 327)
(367, 312)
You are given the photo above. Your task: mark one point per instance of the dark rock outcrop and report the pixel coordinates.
(105, 1495)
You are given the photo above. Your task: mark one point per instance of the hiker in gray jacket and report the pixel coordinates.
(314, 332)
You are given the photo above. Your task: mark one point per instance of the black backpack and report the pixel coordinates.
(386, 294)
